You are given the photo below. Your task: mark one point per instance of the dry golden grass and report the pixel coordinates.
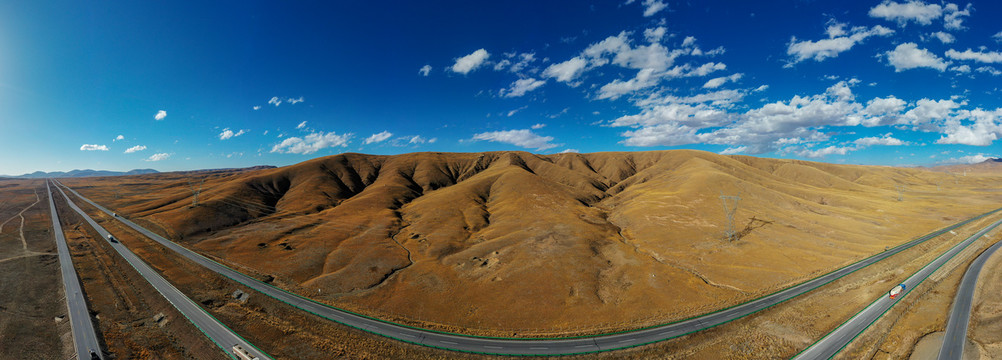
(512, 243)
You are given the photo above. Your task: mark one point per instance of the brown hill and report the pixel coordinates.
(987, 166)
(507, 240)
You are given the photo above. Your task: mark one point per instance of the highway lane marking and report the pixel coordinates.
(538, 348)
(492, 347)
(447, 342)
(624, 340)
(581, 346)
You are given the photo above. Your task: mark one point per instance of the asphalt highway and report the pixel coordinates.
(504, 346)
(960, 314)
(84, 335)
(832, 343)
(210, 326)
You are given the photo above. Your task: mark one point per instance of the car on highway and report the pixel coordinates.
(112, 238)
(93, 355)
(243, 354)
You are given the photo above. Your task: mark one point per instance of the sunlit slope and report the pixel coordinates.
(567, 239)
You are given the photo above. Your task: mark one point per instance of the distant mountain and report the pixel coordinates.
(992, 165)
(82, 173)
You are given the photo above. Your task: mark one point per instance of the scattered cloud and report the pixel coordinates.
(301, 125)
(275, 101)
(514, 111)
(989, 69)
(979, 56)
(839, 40)
(295, 101)
(886, 140)
(162, 114)
(425, 70)
(652, 7)
(227, 133)
(566, 71)
(119, 137)
(135, 148)
(311, 143)
(470, 62)
(158, 157)
(914, 11)
(969, 159)
(908, 56)
(825, 151)
(537, 126)
(521, 86)
(734, 150)
(717, 82)
(997, 36)
(93, 147)
(378, 137)
(645, 78)
(417, 139)
(566, 151)
(523, 138)
(256, 107)
(944, 37)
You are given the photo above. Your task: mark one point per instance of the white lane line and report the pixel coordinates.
(624, 340)
(582, 346)
(538, 348)
(447, 342)
(492, 347)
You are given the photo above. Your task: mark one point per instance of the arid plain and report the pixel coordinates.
(524, 245)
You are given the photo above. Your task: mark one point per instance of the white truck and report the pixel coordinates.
(243, 354)
(896, 291)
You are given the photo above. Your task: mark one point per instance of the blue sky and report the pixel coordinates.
(188, 85)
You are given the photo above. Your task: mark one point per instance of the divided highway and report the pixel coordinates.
(210, 326)
(960, 314)
(832, 343)
(84, 334)
(505, 346)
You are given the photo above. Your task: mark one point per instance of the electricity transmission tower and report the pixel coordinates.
(191, 185)
(730, 207)
(901, 189)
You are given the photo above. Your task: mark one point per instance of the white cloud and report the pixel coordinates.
(734, 150)
(825, 151)
(538, 126)
(295, 101)
(158, 157)
(470, 62)
(417, 139)
(425, 70)
(963, 69)
(916, 11)
(989, 69)
(135, 148)
(500, 65)
(378, 137)
(883, 111)
(119, 137)
(979, 56)
(523, 138)
(652, 7)
(909, 56)
(513, 111)
(256, 107)
(717, 82)
(954, 18)
(969, 159)
(227, 133)
(655, 34)
(160, 115)
(885, 140)
(836, 43)
(521, 86)
(524, 59)
(944, 37)
(985, 129)
(645, 78)
(998, 36)
(566, 71)
(311, 143)
(301, 125)
(567, 151)
(275, 101)
(93, 147)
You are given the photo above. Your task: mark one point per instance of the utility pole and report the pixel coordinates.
(191, 185)
(901, 189)
(730, 207)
